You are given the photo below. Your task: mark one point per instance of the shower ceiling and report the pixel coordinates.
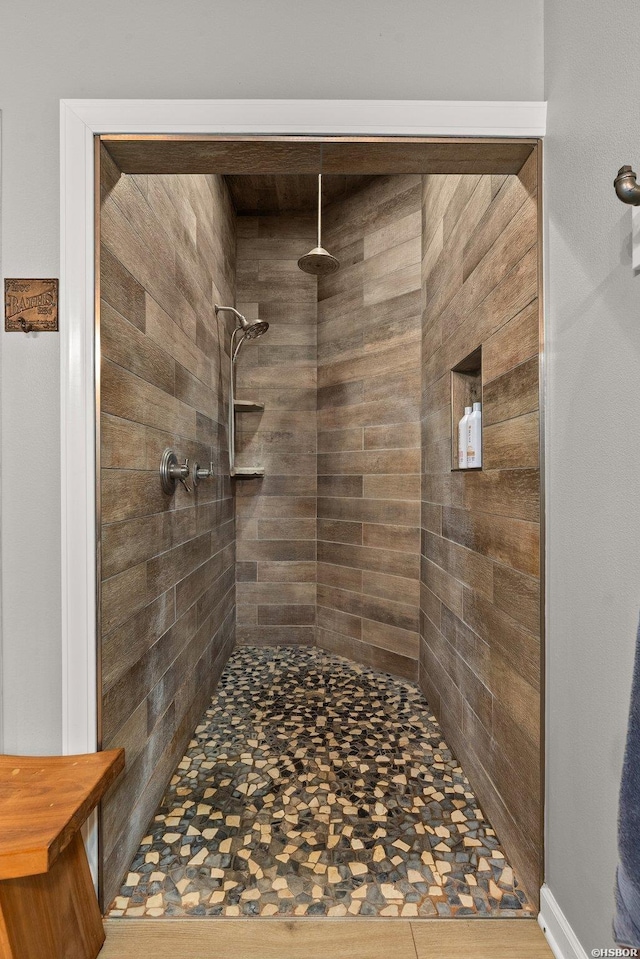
(282, 192)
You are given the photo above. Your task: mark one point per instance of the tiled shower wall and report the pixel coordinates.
(369, 427)
(168, 251)
(276, 516)
(480, 659)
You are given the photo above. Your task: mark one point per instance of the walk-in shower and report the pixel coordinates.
(249, 330)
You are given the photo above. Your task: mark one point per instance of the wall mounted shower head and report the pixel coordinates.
(255, 328)
(251, 328)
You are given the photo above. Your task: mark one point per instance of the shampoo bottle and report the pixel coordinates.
(462, 439)
(474, 436)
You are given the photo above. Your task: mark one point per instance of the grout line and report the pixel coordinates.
(415, 946)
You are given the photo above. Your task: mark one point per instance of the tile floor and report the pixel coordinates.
(317, 787)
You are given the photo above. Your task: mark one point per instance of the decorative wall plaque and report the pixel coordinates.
(30, 305)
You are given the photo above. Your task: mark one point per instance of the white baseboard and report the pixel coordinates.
(562, 939)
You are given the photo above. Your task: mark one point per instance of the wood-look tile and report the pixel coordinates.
(398, 436)
(363, 652)
(284, 550)
(512, 444)
(348, 600)
(393, 512)
(122, 444)
(504, 492)
(392, 487)
(246, 572)
(123, 596)
(121, 290)
(512, 344)
(263, 593)
(339, 622)
(518, 596)
(431, 607)
(125, 395)
(286, 572)
(515, 543)
(134, 541)
(466, 565)
(296, 615)
(519, 237)
(484, 526)
(446, 587)
(519, 648)
(369, 461)
(376, 560)
(470, 647)
(340, 486)
(395, 588)
(512, 394)
(169, 568)
(392, 235)
(331, 574)
(168, 248)
(281, 528)
(122, 647)
(381, 610)
(405, 538)
(192, 586)
(133, 688)
(337, 440)
(496, 220)
(128, 347)
(339, 531)
(276, 507)
(276, 635)
(274, 485)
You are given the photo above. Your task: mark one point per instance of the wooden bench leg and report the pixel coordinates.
(54, 915)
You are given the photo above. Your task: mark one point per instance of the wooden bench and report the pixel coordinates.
(48, 906)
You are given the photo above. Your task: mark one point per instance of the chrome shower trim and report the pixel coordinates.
(230, 309)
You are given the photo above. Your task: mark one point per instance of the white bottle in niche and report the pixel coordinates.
(462, 439)
(474, 437)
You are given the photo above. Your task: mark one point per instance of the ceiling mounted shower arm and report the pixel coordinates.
(319, 209)
(626, 186)
(319, 262)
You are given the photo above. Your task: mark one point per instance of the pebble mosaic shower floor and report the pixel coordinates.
(316, 787)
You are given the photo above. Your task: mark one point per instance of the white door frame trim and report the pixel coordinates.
(80, 121)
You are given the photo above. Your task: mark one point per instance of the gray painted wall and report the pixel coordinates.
(159, 48)
(593, 321)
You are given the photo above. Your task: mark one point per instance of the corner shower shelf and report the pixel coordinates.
(247, 406)
(248, 472)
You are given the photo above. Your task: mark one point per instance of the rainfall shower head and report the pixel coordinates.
(319, 261)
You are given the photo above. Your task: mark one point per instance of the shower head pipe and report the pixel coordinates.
(250, 328)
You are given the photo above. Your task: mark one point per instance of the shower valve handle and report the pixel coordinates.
(199, 473)
(180, 473)
(172, 472)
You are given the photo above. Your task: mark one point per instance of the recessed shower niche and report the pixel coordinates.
(466, 389)
(359, 574)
